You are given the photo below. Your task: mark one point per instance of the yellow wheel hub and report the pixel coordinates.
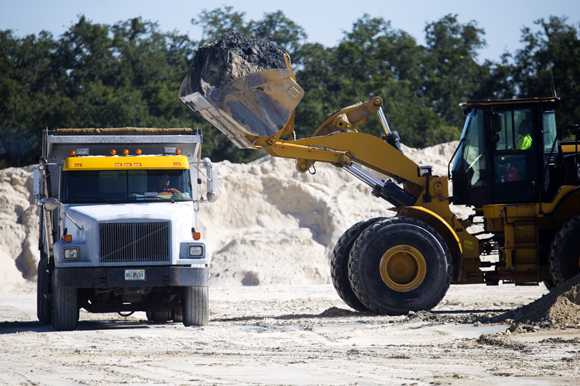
(403, 268)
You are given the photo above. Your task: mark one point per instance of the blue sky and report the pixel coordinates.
(324, 21)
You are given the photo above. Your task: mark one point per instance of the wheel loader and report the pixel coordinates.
(517, 171)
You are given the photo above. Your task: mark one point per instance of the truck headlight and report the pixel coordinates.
(195, 251)
(70, 253)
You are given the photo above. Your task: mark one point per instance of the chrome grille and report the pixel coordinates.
(127, 242)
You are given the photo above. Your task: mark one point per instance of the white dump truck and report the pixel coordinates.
(118, 224)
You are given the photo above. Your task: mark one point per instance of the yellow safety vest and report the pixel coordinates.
(525, 142)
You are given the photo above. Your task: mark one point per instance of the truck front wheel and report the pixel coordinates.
(65, 312)
(399, 265)
(195, 306)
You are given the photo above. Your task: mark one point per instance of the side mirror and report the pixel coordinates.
(212, 181)
(50, 204)
(36, 187)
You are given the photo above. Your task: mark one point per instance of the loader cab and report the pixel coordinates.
(504, 152)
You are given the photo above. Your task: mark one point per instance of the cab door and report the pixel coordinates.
(515, 146)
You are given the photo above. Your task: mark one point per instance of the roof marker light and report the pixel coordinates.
(126, 151)
(113, 152)
(139, 152)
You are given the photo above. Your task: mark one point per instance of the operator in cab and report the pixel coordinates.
(163, 187)
(525, 138)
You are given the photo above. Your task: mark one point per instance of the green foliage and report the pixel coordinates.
(128, 74)
(553, 50)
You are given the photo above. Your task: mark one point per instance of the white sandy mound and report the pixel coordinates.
(18, 231)
(270, 224)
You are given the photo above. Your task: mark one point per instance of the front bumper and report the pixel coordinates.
(112, 277)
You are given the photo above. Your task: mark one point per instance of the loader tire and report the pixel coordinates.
(65, 312)
(339, 264)
(399, 265)
(43, 292)
(195, 306)
(565, 252)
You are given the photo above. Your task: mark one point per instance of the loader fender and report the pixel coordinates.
(444, 229)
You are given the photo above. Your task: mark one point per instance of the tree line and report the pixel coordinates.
(128, 74)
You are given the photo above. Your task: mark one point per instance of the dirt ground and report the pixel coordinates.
(296, 335)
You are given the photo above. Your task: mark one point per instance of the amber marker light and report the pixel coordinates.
(126, 151)
(196, 235)
(113, 152)
(68, 238)
(73, 153)
(139, 152)
(178, 151)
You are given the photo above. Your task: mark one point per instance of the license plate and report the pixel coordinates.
(134, 274)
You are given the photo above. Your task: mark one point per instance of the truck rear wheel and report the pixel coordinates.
(339, 263)
(399, 265)
(43, 292)
(65, 313)
(177, 314)
(195, 306)
(565, 252)
(158, 316)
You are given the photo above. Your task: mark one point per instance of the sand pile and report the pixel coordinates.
(559, 307)
(18, 231)
(270, 225)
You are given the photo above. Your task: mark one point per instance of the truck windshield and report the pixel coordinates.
(116, 186)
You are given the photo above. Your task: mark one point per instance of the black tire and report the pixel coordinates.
(158, 316)
(43, 292)
(65, 312)
(409, 255)
(565, 252)
(339, 263)
(177, 314)
(550, 285)
(195, 306)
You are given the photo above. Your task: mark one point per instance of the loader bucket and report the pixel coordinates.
(256, 105)
(244, 87)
